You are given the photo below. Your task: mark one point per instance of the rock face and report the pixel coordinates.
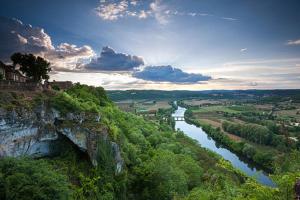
(27, 133)
(34, 133)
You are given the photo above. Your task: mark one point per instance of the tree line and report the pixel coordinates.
(258, 134)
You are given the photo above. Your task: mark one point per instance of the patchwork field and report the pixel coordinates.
(196, 102)
(282, 117)
(289, 114)
(143, 105)
(225, 109)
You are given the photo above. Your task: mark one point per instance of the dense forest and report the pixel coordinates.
(159, 163)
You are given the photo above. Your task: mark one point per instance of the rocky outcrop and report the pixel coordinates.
(24, 132)
(34, 133)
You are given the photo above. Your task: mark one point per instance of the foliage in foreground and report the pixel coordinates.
(30, 179)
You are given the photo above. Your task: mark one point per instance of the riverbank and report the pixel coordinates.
(226, 141)
(260, 135)
(203, 138)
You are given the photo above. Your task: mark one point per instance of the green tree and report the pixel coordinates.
(35, 67)
(249, 150)
(199, 194)
(265, 158)
(167, 175)
(28, 179)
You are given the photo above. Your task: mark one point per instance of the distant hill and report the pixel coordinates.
(266, 95)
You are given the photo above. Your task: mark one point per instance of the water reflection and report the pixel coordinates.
(244, 165)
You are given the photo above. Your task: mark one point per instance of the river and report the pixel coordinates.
(204, 140)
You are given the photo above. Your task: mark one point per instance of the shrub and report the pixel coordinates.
(28, 179)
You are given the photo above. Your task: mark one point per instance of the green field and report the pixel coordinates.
(144, 106)
(227, 109)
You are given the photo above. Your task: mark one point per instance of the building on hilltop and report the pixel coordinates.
(12, 79)
(10, 74)
(2, 70)
(17, 76)
(62, 85)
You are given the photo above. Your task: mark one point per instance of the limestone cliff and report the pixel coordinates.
(33, 132)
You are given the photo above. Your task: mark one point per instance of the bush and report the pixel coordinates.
(264, 158)
(249, 151)
(28, 179)
(167, 175)
(81, 98)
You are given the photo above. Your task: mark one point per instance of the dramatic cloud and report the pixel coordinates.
(293, 42)
(169, 74)
(109, 60)
(19, 37)
(68, 56)
(16, 36)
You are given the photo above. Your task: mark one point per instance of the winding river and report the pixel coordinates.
(205, 141)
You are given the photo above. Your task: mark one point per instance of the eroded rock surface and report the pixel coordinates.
(34, 132)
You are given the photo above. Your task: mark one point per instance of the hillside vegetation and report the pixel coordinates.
(159, 163)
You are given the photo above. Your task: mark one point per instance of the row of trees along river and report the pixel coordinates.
(205, 141)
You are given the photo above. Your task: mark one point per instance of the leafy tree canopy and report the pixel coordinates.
(30, 179)
(35, 67)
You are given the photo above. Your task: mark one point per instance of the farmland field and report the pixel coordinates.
(143, 105)
(196, 102)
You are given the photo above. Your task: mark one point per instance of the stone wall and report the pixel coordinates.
(19, 86)
(63, 85)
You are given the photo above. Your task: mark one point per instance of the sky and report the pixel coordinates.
(159, 44)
